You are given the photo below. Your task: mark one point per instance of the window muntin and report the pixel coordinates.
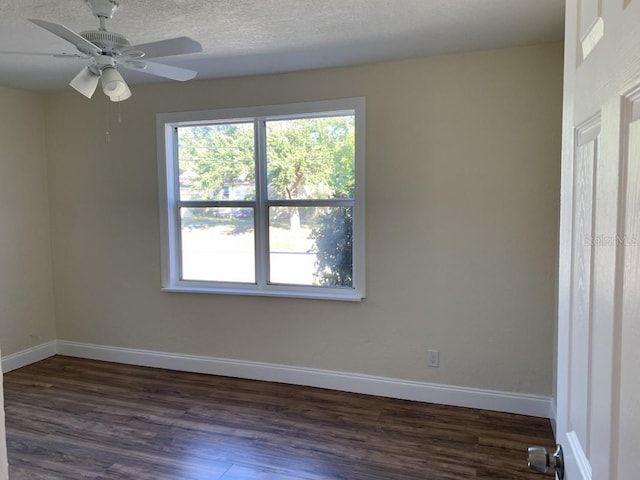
(266, 201)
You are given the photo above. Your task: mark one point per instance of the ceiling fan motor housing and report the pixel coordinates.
(111, 43)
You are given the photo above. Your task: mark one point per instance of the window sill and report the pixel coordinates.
(347, 296)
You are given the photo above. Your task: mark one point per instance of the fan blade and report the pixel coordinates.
(37, 54)
(85, 82)
(161, 70)
(70, 55)
(83, 45)
(167, 48)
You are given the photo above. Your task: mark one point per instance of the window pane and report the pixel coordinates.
(311, 246)
(311, 158)
(216, 162)
(218, 244)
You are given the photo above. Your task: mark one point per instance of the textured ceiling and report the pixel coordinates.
(245, 37)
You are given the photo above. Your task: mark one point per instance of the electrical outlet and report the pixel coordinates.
(433, 358)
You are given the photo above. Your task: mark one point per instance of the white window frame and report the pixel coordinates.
(166, 127)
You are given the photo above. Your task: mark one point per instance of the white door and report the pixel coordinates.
(598, 388)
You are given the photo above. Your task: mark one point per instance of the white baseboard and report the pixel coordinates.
(29, 356)
(524, 404)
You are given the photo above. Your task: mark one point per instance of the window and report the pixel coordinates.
(265, 200)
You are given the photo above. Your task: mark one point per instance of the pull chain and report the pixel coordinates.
(107, 134)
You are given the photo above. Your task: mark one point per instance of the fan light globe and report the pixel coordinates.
(113, 84)
(85, 82)
(126, 94)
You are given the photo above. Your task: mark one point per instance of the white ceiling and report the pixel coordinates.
(245, 37)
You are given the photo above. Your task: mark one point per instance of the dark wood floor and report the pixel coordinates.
(73, 419)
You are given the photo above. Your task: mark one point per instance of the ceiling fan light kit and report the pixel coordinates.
(114, 86)
(85, 82)
(110, 50)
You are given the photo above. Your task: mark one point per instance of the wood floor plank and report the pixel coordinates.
(71, 419)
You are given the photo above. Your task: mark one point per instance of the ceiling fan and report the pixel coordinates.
(109, 50)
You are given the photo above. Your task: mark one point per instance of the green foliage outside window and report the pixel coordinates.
(334, 245)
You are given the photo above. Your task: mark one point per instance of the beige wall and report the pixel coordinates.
(463, 156)
(26, 289)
